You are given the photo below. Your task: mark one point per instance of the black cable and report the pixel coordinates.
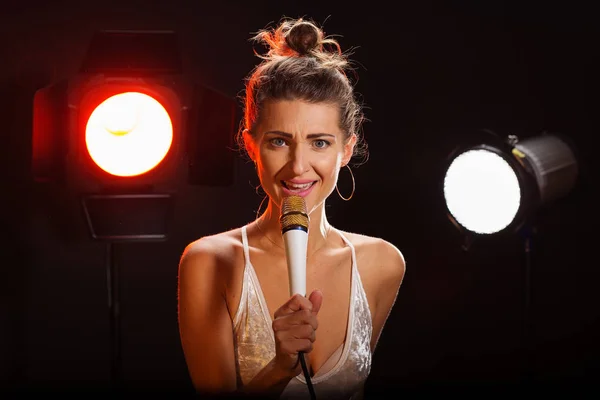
(311, 389)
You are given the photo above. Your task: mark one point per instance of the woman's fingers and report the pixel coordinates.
(293, 346)
(295, 303)
(294, 327)
(297, 332)
(301, 317)
(316, 299)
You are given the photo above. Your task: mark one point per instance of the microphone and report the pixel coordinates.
(294, 228)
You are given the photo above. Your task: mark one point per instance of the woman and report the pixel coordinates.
(241, 332)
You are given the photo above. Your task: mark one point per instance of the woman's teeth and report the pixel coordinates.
(296, 186)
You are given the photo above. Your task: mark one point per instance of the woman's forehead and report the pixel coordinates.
(298, 116)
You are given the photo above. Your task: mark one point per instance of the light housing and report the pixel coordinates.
(126, 175)
(495, 186)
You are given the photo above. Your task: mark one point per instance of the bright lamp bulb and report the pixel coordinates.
(482, 191)
(129, 134)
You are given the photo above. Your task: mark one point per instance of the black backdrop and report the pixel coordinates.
(428, 72)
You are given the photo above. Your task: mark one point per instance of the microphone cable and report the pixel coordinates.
(311, 389)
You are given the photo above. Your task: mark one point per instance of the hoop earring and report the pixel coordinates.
(260, 206)
(353, 186)
(258, 189)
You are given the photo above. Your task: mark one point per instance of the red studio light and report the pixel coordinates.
(128, 131)
(128, 134)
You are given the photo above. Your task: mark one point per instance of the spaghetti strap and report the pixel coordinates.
(245, 244)
(244, 295)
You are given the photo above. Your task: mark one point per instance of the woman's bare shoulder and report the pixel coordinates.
(221, 250)
(372, 244)
(378, 256)
(219, 244)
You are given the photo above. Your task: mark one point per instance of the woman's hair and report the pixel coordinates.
(302, 64)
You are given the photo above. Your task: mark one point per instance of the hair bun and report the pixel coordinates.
(303, 37)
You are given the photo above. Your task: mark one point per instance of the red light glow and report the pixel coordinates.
(129, 134)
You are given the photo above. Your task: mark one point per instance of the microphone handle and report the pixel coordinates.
(295, 241)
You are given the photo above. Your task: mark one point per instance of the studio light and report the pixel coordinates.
(494, 186)
(129, 134)
(121, 138)
(497, 185)
(128, 131)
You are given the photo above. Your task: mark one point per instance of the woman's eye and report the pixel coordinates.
(321, 144)
(278, 142)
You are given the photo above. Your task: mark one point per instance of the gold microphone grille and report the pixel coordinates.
(293, 204)
(293, 212)
(294, 219)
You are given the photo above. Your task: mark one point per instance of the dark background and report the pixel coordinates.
(428, 73)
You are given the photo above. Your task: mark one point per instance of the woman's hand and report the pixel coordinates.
(294, 325)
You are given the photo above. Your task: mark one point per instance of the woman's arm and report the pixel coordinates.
(204, 322)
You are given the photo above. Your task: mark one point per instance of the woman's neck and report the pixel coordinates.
(318, 228)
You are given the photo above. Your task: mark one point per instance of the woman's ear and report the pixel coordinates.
(349, 150)
(249, 144)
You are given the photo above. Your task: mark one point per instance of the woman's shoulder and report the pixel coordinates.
(218, 250)
(212, 265)
(215, 243)
(374, 246)
(380, 255)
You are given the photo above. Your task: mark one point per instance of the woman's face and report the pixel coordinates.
(299, 149)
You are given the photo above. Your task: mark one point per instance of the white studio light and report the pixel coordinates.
(492, 188)
(482, 191)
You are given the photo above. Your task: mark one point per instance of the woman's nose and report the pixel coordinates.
(299, 160)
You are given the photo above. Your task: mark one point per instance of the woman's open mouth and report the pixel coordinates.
(297, 189)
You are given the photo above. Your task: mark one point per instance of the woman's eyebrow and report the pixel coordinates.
(309, 136)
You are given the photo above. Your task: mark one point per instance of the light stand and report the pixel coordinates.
(527, 232)
(123, 218)
(113, 291)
